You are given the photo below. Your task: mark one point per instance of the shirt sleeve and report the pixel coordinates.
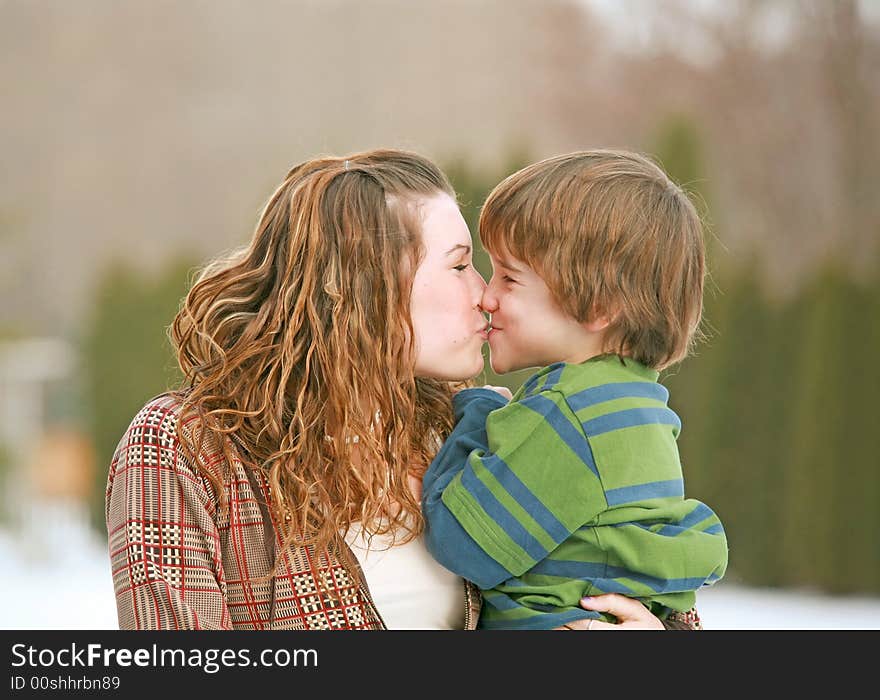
(164, 544)
(513, 491)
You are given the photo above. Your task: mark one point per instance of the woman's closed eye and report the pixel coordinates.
(462, 267)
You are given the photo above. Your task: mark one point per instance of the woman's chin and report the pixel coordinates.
(477, 367)
(461, 372)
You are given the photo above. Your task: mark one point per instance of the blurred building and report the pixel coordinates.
(48, 466)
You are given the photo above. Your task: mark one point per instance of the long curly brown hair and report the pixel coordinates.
(302, 340)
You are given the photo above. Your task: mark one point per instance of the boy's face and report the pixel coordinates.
(529, 329)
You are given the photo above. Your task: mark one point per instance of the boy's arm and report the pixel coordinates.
(447, 539)
(471, 408)
(498, 500)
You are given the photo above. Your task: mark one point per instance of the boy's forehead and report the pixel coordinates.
(502, 258)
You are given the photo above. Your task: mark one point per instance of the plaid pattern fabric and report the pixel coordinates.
(179, 562)
(688, 621)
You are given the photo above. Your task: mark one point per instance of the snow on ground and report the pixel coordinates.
(71, 590)
(726, 606)
(74, 590)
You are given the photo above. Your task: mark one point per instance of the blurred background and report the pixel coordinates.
(141, 138)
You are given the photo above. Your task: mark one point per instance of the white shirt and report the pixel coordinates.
(409, 588)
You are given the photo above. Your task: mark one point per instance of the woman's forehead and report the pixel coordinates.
(444, 230)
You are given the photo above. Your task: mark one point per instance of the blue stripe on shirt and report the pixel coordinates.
(546, 621)
(501, 516)
(500, 601)
(553, 376)
(454, 548)
(665, 530)
(606, 577)
(530, 384)
(697, 515)
(549, 374)
(563, 428)
(631, 418)
(524, 497)
(570, 569)
(644, 492)
(621, 390)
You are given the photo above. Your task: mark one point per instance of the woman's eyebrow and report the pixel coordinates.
(465, 248)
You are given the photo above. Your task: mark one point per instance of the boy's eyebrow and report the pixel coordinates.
(465, 248)
(508, 266)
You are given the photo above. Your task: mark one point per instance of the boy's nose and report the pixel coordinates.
(489, 303)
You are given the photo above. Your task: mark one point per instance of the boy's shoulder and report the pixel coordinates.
(568, 378)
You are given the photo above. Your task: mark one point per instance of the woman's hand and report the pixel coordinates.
(631, 614)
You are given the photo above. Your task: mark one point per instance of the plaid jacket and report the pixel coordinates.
(179, 562)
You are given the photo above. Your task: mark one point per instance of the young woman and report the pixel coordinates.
(279, 488)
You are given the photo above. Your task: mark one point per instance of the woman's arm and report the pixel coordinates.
(164, 543)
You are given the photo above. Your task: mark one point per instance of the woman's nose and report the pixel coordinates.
(481, 279)
(479, 285)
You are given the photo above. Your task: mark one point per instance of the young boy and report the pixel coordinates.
(574, 487)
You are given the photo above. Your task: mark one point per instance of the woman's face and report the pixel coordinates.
(449, 326)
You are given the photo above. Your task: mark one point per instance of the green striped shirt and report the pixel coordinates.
(573, 488)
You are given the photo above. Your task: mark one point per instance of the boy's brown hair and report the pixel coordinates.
(610, 234)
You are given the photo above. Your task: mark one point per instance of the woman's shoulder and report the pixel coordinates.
(157, 428)
(158, 463)
(160, 415)
(160, 435)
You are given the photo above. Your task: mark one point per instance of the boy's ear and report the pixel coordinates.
(599, 321)
(597, 324)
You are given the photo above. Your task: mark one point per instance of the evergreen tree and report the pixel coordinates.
(818, 408)
(678, 148)
(870, 319)
(127, 357)
(855, 554)
(776, 356)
